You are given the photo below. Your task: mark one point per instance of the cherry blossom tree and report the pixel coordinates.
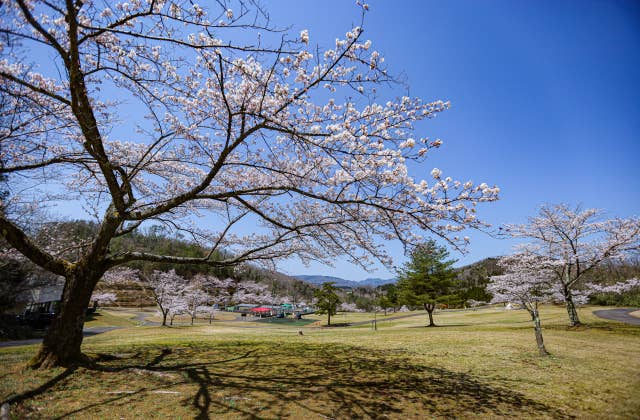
(528, 280)
(111, 279)
(580, 240)
(178, 307)
(242, 122)
(251, 292)
(194, 296)
(167, 289)
(101, 298)
(120, 275)
(348, 307)
(208, 310)
(220, 289)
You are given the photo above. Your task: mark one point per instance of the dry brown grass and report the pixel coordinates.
(478, 364)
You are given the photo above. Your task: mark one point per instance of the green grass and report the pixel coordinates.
(477, 364)
(350, 317)
(287, 321)
(110, 318)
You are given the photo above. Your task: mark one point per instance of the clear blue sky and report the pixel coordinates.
(545, 98)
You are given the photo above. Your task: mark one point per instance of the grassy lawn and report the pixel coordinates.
(110, 318)
(477, 364)
(350, 317)
(186, 319)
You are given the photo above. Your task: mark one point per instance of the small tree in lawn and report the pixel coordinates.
(208, 310)
(167, 290)
(327, 300)
(579, 240)
(390, 292)
(195, 296)
(528, 280)
(177, 306)
(384, 303)
(427, 278)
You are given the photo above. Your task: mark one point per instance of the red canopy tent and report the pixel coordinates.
(260, 309)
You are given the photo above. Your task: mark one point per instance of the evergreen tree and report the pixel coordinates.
(327, 300)
(391, 296)
(427, 278)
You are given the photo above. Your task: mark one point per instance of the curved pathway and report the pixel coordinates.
(87, 332)
(141, 317)
(620, 314)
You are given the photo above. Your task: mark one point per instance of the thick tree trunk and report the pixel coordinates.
(328, 318)
(429, 307)
(574, 321)
(164, 317)
(535, 316)
(63, 340)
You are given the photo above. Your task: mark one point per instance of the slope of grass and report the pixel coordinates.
(110, 318)
(477, 364)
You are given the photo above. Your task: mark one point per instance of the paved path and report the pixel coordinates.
(141, 317)
(88, 332)
(621, 315)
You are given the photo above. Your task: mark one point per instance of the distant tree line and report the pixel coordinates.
(18, 275)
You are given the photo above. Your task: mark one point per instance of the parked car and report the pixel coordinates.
(39, 315)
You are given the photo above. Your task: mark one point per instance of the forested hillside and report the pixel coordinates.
(18, 275)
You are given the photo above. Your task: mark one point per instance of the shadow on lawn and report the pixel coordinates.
(274, 380)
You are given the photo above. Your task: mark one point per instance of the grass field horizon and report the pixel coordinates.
(478, 363)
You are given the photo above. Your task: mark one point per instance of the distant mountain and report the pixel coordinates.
(375, 281)
(340, 282)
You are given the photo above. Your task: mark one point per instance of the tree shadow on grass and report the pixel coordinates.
(17, 398)
(295, 379)
(439, 326)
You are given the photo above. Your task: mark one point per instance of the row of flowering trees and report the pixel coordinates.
(565, 245)
(175, 295)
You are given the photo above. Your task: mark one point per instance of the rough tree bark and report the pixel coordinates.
(574, 320)
(535, 317)
(62, 342)
(165, 312)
